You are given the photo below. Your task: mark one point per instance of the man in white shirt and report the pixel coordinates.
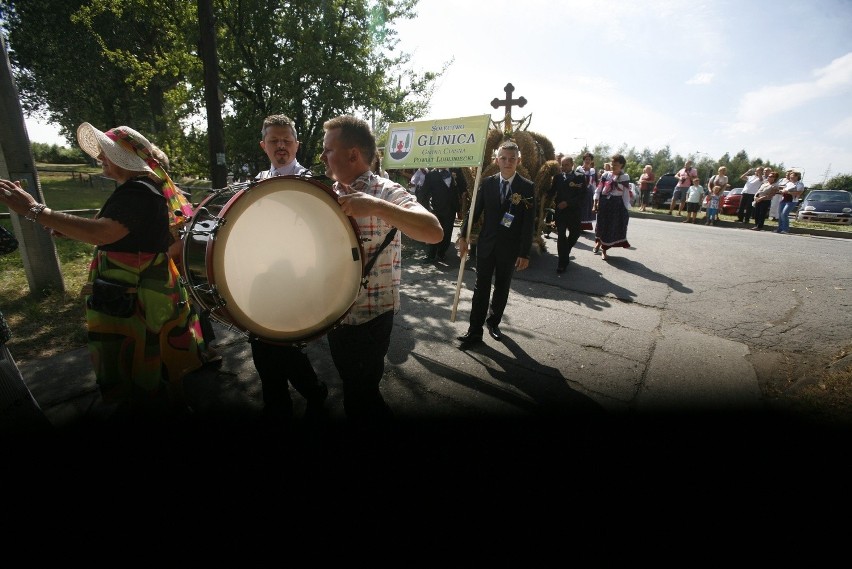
(753, 180)
(279, 364)
(280, 143)
(417, 181)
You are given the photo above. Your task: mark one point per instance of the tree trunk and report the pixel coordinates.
(38, 252)
(215, 126)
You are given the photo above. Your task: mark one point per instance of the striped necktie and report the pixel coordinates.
(504, 185)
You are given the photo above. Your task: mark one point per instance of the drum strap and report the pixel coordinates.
(385, 243)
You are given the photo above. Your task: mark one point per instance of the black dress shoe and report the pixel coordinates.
(495, 332)
(469, 338)
(560, 269)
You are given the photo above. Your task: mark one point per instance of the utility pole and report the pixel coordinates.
(215, 126)
(38, 251)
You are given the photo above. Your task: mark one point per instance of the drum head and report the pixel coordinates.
(287, 261)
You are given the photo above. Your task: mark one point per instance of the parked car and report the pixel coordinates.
(731, 201)
(664, 187)
(826, 206)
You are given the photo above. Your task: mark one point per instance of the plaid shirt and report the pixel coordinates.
(382, 291)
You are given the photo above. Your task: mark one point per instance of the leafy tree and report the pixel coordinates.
(107, 62)
(135, 62)
(841, 182)
(313, 60)
(55, 154)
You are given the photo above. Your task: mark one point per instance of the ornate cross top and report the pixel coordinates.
(508, 102)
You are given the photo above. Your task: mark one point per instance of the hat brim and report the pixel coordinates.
(94, 141)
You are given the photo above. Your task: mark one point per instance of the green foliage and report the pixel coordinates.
(312, 60)
(128, 62)
(841, 182)
(55, 154)
(104, 62)
(107, 62)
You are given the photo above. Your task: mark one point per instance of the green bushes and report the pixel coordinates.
(54, 154)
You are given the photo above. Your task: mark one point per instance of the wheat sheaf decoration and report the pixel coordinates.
(517, 198)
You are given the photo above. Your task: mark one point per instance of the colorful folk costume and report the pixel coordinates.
(143, 336)
(614, 199)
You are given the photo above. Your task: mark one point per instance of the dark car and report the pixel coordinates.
(664, 187)
(826, 206)
(731, 202)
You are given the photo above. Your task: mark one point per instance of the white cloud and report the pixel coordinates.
(835, 78)
(838, 73)
(701, 79)
(842, 128)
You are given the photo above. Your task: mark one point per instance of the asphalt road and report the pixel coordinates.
(689, 316)
(653, 359)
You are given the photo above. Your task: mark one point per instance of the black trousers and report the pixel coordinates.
(438, 250)
(276, 365)
(761, 212)
(358, 352)
(745, 209)
(501, 268)
(567, 219)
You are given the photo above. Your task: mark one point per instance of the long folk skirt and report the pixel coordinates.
(611, 225)
(587, 216)
(140, 361)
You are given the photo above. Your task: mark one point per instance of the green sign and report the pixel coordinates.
(447, 143)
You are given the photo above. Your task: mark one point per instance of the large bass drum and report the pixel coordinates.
(276, 259)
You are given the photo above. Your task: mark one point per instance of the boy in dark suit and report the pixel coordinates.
(508, 202)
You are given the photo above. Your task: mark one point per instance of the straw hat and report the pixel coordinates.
(122, 145)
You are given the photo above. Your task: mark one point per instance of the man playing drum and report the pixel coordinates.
(275, 363)
(377, 205)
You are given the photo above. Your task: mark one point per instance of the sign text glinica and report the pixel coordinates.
(443, 139)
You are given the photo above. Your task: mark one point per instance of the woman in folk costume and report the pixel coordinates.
(587, 215)
(143, 337)
(612, 204)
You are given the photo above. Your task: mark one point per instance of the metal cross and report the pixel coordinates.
(508, 102)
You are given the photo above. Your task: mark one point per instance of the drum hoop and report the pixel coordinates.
(226, 316)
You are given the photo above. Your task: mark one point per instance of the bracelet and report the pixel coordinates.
(34, 212)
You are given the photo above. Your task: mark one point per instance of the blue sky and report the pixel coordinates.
(773, 78)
